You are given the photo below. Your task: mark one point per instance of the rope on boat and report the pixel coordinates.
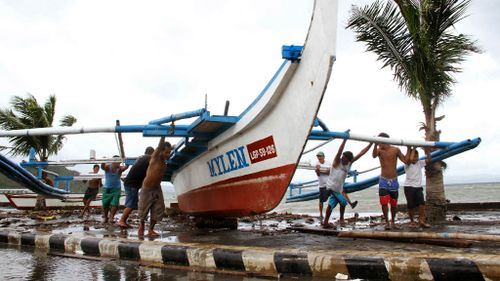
(366, 171)
(317, 146)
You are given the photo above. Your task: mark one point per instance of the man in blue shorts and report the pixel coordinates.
(338, 173)
(132, 183)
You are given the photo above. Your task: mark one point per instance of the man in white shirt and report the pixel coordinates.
(414, 192)
(338, 173)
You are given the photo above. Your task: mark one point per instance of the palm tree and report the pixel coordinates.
(26, 113)
(415, 39)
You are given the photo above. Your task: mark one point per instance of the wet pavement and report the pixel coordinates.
(270, 245)
(269, 231)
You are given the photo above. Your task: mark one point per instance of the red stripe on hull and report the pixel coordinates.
(242, 196)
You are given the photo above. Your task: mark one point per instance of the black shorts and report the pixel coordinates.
(414, 197)
(90, 193)
(324, 194)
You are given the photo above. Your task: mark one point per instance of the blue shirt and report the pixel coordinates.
(112, 180)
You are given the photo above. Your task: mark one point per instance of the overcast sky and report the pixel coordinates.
(138, 61)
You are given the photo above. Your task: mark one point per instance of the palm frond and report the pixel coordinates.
(27, 113)
(68, 121)
(417, 43)
(9, 120)
(384, 31)
(50, 110)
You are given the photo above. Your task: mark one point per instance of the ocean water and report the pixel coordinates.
(368, 199)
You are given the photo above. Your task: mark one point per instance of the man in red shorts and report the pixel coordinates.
(388, 184)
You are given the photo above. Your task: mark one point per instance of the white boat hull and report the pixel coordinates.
(246, 170)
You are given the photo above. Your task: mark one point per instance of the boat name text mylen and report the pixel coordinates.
(236, 159)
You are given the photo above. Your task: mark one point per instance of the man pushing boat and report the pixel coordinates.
(335, 182)
(133, 183)
(151, 196)
(388, 156)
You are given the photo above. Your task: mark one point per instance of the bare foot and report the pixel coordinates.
(140, 232)
(387, 226)
(395, 226)
(328, 225)
(153, 234)
(123, 224)
(424, 225)
(413, 224)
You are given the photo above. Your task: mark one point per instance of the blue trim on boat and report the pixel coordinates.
(291, 52)
(28, 180)
(264, 90)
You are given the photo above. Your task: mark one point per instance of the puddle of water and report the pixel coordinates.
(26, 264)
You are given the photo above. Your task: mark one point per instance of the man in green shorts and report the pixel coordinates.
(112, 189)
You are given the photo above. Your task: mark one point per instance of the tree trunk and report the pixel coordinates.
(436, 204)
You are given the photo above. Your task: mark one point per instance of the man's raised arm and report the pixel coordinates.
(336, 160)
(362, 152)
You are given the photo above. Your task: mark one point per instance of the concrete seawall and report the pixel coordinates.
(272, 262)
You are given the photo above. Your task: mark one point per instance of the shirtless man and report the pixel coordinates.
(388, 185)
(46, 179)
(92, 190)
(151, 196)
(40, 199)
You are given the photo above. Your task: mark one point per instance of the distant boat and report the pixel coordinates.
(4, 202)
(24, 199)
(27, 201)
